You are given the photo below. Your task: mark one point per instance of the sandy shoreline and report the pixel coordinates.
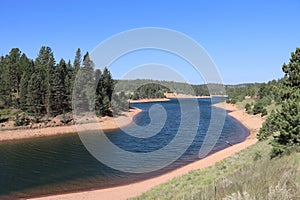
(169, 96)
(253, 123)
(149, 100)
(106, 124)
(186, 96)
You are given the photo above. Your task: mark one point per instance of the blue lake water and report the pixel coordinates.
(61, 164)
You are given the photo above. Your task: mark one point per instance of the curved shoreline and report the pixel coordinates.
(106, 124)
(252, 123)
(149, 100)
(169, 97)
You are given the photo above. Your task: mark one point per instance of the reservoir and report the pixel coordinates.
(62, 164)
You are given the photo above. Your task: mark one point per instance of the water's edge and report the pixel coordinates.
(87, 185)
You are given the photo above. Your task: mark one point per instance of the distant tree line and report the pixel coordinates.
(264, 94)
(43, 87)
(155, 88)
(237, 93)
(150, 90)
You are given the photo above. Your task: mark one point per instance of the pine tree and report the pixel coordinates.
(59, 91)
(107, 83)
(76, 67)
(286, 122)
(77, 60)
(44, 64)
(84, 86)
(98, 97)
(24, 90)
(26, 64)
(105, 108)
(27, 68)
(291, 79)
(289, 116)
(15, 71)
(35, 89)
(288, 125)
(69, 83)
(5, 93)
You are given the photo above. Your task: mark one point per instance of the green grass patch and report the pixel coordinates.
(249, 174)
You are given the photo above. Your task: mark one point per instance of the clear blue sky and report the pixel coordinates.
(248, 40)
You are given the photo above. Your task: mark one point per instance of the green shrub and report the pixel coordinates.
(269, 127)
(264, 112)
(232, 100)
(248, 107)
(258, 108)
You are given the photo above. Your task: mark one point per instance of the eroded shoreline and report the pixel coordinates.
(105, 123)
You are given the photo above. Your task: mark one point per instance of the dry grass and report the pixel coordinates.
(249, 174)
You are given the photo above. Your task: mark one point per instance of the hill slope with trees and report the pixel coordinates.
(35, 90)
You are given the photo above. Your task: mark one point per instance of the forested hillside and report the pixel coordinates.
(280, 101)
(31, 89)
(137, 88)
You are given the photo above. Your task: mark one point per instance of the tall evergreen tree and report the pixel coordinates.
(15, 71)
(98, 97)
(84, 87)
(88, 68)
(26, 64)
(107, 83)
(35, 89)
(289, 116)
(106, 91)
(286, 122)
(69, 81)
(44, 65)
(24, 90)
(291, 79)
(28, 68)
(5, 89)
(2, 80)
(77, 60)
(76, 67)
(59, 91)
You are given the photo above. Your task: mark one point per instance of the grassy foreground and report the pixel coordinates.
(249, 174)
